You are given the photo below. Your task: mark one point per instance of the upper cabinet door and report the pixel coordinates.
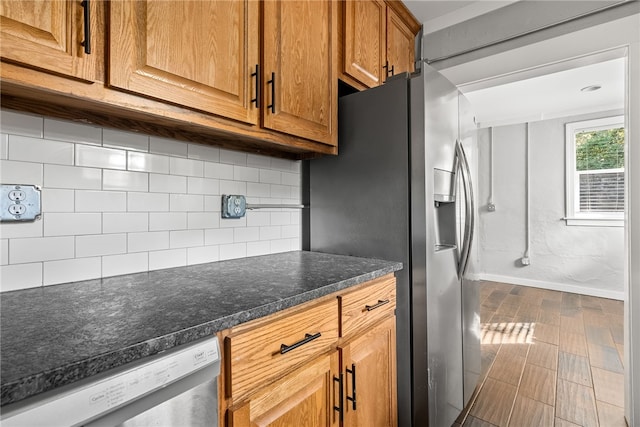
(49, 35)
(300, 70)
(198, 54)
(364, 40)
(400, 45)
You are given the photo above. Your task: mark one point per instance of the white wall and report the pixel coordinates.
(581, 259)
(116, 202)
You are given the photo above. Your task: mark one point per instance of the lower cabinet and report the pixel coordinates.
(329, 362)
(369, 367)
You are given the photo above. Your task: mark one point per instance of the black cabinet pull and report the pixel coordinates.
(339, 408)
(379, 304)
(352, 398)
(87, 27)
(385, 67)
(272, 82)
(257, 76)
(392, 70)
(307, 338)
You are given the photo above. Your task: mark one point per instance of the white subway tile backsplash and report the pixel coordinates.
(281, 191)
(4, 146)
(164, 221)
(63, 130)
(167, 259)
(101, 244)
(169, 147)
(258, 248)
(72, 270)
(17, 230)
(203, 186)
(258, 190)
(20, 172)
(167, 183)
(4, 251)
(98, 157)
(218, 170)
(186, 238)
(291, 179)
(256, 160)
(124, 180)
(126, 140)
(270, 232)
(233, 251)
(290, 231)
(147, 202)
(280, 218)
(218, 236)
(233, 157)
(100, 201)
(56, 200)
(243, 173)
(270, 176)
(186, 203)
(72, 224)
(28, 149)
(246, 234)
(203, 220)
(72, 177)
(15, 123)
(187, 167)
(233, 187)
(258, 218)
(145, 162)
(20, 276)
(202, 254)
(116, 265)
(150, 241)
(124, 222)
(40, 249)
(144, 203)
(203, 152)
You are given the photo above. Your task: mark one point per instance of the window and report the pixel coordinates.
(595, 172)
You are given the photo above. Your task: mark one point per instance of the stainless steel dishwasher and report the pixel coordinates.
(174, 388)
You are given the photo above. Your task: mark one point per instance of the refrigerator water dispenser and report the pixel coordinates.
(445, 213)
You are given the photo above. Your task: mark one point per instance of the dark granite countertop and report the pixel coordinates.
(54, 335)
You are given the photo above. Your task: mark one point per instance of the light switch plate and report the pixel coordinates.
(19, 202)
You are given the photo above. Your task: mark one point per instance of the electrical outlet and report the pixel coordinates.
(491, 207)
(233, 206)
(19, 203)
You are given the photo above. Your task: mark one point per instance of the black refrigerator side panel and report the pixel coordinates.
(359, 200)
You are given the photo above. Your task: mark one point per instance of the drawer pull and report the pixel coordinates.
(379, 304)
(307, 338)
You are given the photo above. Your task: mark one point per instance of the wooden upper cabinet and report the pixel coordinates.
(197, 54)
(300, 75)
(49, 35)
(400, 44)
(364, 46)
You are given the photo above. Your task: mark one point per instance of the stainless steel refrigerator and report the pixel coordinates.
(400, 189)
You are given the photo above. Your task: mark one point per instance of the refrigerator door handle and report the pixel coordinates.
(463, 166)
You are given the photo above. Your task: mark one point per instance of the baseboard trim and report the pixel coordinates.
(584, 290)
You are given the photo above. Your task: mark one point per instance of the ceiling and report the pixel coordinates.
(536, 82)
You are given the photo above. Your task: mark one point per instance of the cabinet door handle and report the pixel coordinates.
(307, 338)
(256, 74)
(352, 398)
(339, 408)
(392, 70)
(385, 67)
(272, 82)
(87, 26)
(379, 304)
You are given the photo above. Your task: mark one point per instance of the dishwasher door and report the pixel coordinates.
(175, 388)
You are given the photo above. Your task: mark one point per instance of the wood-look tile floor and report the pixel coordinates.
(548, 359)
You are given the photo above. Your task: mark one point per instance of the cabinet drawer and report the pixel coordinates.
(257, 356)
(363, 307)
